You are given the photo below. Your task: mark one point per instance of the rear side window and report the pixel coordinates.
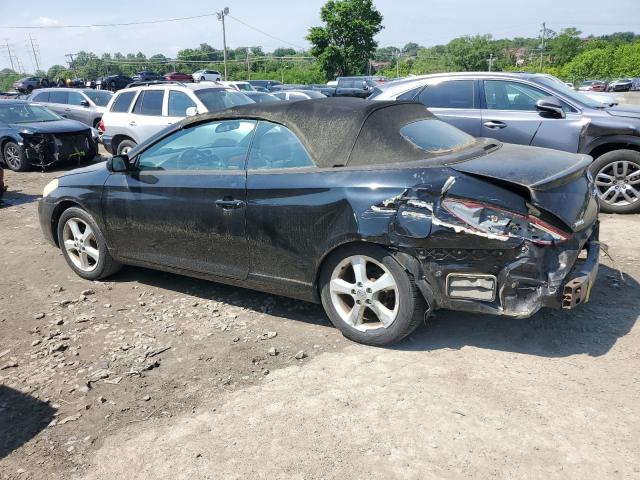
(275, 146)
(449, 94)
(75, 98)
(122, 102)
(410, 95)
(149, 103)
(41, 97)
(435, 136)
(57, 97)
(178, 103)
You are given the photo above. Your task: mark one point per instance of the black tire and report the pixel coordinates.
(106, 265)
(17, 164)
(125, 144)
(412, 305)
(603, 163)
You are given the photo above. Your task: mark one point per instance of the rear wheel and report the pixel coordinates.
(124, 147)
(369, 296)
(617, 177)
(202, 79)
(83, 245)
(14, 157)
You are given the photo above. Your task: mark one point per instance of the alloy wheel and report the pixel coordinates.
(364, 293)
(618, 183)
(12, 157)
(81, 244)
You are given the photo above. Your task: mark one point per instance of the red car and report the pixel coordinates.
(178, 77)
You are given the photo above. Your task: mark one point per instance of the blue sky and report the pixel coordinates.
(427, 22)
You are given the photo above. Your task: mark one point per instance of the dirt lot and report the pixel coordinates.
(153, 375)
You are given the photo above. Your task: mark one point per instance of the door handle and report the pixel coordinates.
(229, 204)
(132, 123)
(495, 124)
(67, 109)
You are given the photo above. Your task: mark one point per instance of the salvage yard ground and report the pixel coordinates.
(154, 375)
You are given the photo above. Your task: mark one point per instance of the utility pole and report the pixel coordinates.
(70, 61)
(248, 67)
(398, 65)
(544, 34)
(9, 53)
(221, 14)
(490, 60)
(33, 49)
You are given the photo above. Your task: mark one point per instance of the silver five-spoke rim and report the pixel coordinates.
(364, 293)
(81, 244)
(12, 157)
(618, 183)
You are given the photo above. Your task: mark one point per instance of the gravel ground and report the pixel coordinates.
(153, 375)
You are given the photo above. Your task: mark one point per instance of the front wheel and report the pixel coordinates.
(369, 296)
(14, 157)
(617, 178)
(83, 245)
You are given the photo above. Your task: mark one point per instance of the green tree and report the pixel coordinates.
(468, 53)
(565, 46)
(284, 52)
(346, 42)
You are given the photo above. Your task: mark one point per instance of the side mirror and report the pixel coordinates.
(119, 163)
(84, 103)
(551, 106)
(191, 111)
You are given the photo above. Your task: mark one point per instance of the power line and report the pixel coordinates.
(123, 24)
(265, 33)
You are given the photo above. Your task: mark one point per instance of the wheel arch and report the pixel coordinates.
(4, 140)
(57, 213)
(118, 139)
(603, 145)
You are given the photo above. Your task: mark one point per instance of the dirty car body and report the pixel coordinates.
(33, 136)
(478, 226)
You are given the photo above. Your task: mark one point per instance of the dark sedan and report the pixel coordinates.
(32, 135)
(115, 82)
(376, 209)
(178, 77)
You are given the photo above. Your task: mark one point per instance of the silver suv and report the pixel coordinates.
(82, 104)
(539, 110)
(136, 113)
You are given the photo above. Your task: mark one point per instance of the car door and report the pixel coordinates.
(183, 205)
(177, 104)
(148, 115)
(454, 101)
(75, 108)
(510, 115)
(58, 102)
(286, 208)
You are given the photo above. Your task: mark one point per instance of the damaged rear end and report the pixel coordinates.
(505, 233)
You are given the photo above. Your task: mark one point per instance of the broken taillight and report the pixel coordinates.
(101, 126)
(503, 224)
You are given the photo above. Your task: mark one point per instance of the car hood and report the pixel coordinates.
(555, 181)
(56, 126)
(96, 171)
(632, 111)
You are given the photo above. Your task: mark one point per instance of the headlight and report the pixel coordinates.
(50, 187)
(503, 224)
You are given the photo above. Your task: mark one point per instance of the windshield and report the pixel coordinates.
(264, 98)
(244, 86)
(25, 113)
(435, 136)
(216, 99)
(99, 97)
(567, 91)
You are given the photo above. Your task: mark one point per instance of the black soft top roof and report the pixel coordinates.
(338, 131)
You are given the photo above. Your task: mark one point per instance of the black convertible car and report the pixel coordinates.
(378, 210)
(32, 135)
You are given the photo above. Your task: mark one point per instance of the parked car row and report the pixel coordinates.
(619, 85)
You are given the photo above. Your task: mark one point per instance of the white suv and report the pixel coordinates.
(206, 75)
(240, 86)
(134, 114)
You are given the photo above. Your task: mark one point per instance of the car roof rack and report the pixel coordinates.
(155, 82)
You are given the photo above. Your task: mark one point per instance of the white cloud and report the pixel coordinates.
(45, 21)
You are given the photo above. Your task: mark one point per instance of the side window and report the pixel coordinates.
(449, 94)
(122, 102)
(297, 96)
(75, 98)
(410, 95)
(178, 103)
(504, 95)
(275, 146)
(221, 145)
(280, 95)
(41, 97)
(58, 97)
(149, 102)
